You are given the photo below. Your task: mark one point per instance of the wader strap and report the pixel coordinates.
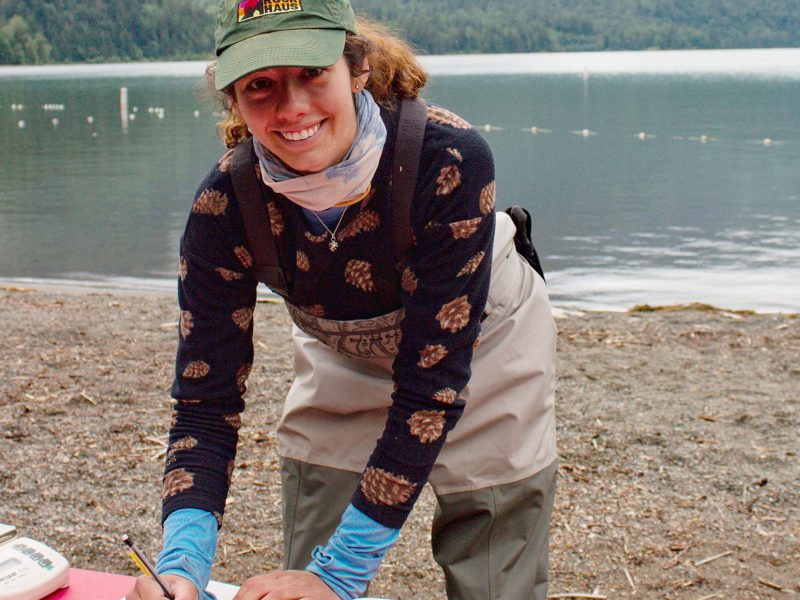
(266, 263)
(407, 151)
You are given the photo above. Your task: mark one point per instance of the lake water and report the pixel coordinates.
(654, 177)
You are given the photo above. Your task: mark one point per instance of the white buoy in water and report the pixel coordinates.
(535, 130)
(123, 107)
(767, 141)
(584, 132)
(196, 113)
(54, 121)
(90, 119)
(21, 124)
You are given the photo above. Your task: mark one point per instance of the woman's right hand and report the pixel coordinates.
(146, 588)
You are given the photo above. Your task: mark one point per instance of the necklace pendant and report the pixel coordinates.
(333, 245)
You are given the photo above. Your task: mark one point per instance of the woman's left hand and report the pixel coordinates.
(285, 585)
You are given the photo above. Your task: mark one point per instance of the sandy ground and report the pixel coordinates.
(678, 436)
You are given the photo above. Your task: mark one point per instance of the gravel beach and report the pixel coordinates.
(679, 435)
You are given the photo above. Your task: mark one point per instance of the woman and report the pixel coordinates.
(380, 403)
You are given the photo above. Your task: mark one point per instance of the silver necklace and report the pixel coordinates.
(333, 244)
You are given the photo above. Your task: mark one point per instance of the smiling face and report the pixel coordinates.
(304, 115)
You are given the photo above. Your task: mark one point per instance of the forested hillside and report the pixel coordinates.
(42, 31)
(446, 26)
(52, 31)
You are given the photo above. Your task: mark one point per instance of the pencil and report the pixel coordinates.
(144, 564)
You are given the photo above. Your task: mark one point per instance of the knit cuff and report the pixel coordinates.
(190, 541)
(353, 554)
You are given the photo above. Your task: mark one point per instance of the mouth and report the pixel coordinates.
(302, 134)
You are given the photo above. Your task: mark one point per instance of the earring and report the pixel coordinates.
(358, 86)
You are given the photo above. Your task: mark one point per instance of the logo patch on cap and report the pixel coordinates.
(251, 9)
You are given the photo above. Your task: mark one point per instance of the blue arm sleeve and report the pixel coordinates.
(190, 542)
(353, 554)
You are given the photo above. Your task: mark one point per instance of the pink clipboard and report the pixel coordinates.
(93, 585)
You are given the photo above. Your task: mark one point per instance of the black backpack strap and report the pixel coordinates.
(261, 242)
(407, 152)
(523, 240)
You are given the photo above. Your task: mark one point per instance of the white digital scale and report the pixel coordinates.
(29, 570)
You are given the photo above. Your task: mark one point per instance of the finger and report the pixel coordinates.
(145, 589)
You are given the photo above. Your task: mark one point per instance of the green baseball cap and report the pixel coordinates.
(257, 34)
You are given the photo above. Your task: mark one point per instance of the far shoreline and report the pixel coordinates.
(166, 288)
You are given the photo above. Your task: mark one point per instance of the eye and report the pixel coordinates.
(259, 83)
(313, 72)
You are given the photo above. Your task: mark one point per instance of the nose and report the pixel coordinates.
(293, 101)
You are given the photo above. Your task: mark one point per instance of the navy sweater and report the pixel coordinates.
(442, 286)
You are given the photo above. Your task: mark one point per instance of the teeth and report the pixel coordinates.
(297, 136)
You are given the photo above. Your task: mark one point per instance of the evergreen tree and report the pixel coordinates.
(39, 31)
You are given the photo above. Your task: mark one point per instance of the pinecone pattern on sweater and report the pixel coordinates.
(427, 425)
(472, 264)
(445, 396)
(408, 281)
(382, 487)
(486, 201)
(302, 261)
(244, 256)
(228, 275)
(437, 114)
(449, 179)
(234, 420)
(243, 317)
(455, 153)
(276, 223)
(365, 221)
(176, 481)
(431, 355)
(359, 274)
(316, 239)
(183, 268)
(185, 443)
(241, 376)
(186, 323)
(464, 229)
(196, 369)
(454, 315)
(210, 202)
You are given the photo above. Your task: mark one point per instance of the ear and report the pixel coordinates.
(360, 82)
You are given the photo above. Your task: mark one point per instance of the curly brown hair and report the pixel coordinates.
(394, 73)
